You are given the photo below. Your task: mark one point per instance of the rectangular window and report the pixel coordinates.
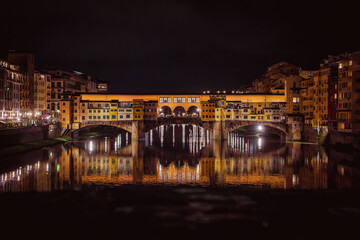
(165, 99)
(113, 116)
(179, 100)
(193, 99)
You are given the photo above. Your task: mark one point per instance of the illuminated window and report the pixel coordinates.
(295, 100)
(179, 100)
(193, 99)
(350, 63)
(165, 99)
(340, 65)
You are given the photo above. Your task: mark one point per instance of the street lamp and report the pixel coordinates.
(260, 128)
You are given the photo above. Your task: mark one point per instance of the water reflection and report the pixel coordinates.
(180, 155)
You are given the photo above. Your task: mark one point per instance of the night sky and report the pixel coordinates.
(174, 46)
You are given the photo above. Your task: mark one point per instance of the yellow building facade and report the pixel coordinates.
(40, 93)
(83, 108)
(320, 97)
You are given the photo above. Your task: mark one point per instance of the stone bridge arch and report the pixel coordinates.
(233, 125)
(124, 125)
(179, 111)
(127, 126)
(165, 111)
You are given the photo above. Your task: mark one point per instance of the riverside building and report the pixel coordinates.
(11, 80)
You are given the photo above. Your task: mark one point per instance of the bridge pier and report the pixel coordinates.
(137, 130)
(219, 131)
(294, 133)
(138, 160)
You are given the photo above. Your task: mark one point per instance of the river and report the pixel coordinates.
(176, 155)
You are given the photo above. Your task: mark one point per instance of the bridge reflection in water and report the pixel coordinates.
(192, 159)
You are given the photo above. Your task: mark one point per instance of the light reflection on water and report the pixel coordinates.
(168, 156)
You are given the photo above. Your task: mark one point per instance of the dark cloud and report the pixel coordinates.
(172, 46)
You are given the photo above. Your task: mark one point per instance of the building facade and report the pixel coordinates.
(40, 93)
(85, 108)
(26, 62)
(11, 80)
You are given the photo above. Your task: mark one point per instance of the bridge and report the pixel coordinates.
(218, 129)
(219, 114)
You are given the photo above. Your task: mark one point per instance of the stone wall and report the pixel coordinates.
(352, 139)
(17, 136)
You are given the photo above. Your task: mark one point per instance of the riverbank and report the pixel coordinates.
(30, 146)
(182, 212)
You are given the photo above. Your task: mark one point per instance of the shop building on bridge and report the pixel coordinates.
(85, 109)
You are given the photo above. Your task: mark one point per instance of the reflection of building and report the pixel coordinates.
(97, 163)
(181, 174)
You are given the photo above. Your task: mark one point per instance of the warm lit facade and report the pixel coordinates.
(26, 62)
(69, 82)
(40, 92)
(86, 108)
(307, 103)
(273, 81)
(349, 94)
(321, 97)
(10, 84)
(208, 110)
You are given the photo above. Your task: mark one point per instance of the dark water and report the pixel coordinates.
(180, 155)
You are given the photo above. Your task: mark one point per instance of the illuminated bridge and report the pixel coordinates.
(139, 113)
